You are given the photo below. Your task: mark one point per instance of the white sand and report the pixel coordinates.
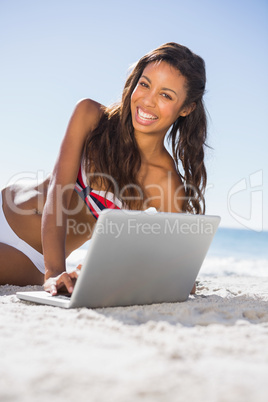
(214, 347)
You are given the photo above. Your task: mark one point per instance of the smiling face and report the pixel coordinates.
(157, 101)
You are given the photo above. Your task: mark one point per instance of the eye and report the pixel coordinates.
(144, 84)
(166, 96)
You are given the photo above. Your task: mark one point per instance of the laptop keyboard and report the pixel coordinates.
(66, 296)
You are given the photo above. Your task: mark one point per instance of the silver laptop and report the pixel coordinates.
(138, 257)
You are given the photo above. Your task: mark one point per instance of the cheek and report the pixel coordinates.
(132, 104)
(170, 113)
(175, 113)
(134, 95)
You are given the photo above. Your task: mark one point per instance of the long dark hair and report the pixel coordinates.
(112, 149)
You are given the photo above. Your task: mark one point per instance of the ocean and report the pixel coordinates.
(232, 252)
(237, 252)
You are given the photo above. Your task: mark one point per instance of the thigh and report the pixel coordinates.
(17, 269)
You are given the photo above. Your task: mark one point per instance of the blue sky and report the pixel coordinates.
(55, 52)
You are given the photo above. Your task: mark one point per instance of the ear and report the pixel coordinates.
(187, 110)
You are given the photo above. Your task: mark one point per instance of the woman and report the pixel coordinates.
(111, 157)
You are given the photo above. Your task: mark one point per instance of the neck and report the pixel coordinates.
(150, 147)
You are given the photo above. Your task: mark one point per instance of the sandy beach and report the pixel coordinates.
(214, 347)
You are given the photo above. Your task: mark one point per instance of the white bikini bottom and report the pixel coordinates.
(9, 237)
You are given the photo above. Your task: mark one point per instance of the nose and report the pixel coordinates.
(150, 99)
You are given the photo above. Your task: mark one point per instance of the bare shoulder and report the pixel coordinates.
(172, 187)
(88, 112)
(88, 105)
(169, 170)
(172, 179)
(85, 119)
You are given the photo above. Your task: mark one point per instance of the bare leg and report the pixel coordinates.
(17, 269)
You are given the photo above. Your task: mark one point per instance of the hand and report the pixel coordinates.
(67, 280)
(193, 290)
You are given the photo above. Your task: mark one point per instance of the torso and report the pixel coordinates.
(23, 205)
(161, 181)
(95, 199)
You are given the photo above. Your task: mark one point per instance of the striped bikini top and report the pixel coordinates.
(95, 200)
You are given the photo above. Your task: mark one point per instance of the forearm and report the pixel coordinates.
(53, 238)
(54, 251)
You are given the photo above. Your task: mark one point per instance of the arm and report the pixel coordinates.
(84, 119)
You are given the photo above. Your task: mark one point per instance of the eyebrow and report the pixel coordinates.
(163, 89)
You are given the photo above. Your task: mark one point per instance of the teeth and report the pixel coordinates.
(146, 115)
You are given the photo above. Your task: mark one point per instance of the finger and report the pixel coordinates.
(50, 286)
(74, 274)
(65, 279)
(79, 266)
(53, 289)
